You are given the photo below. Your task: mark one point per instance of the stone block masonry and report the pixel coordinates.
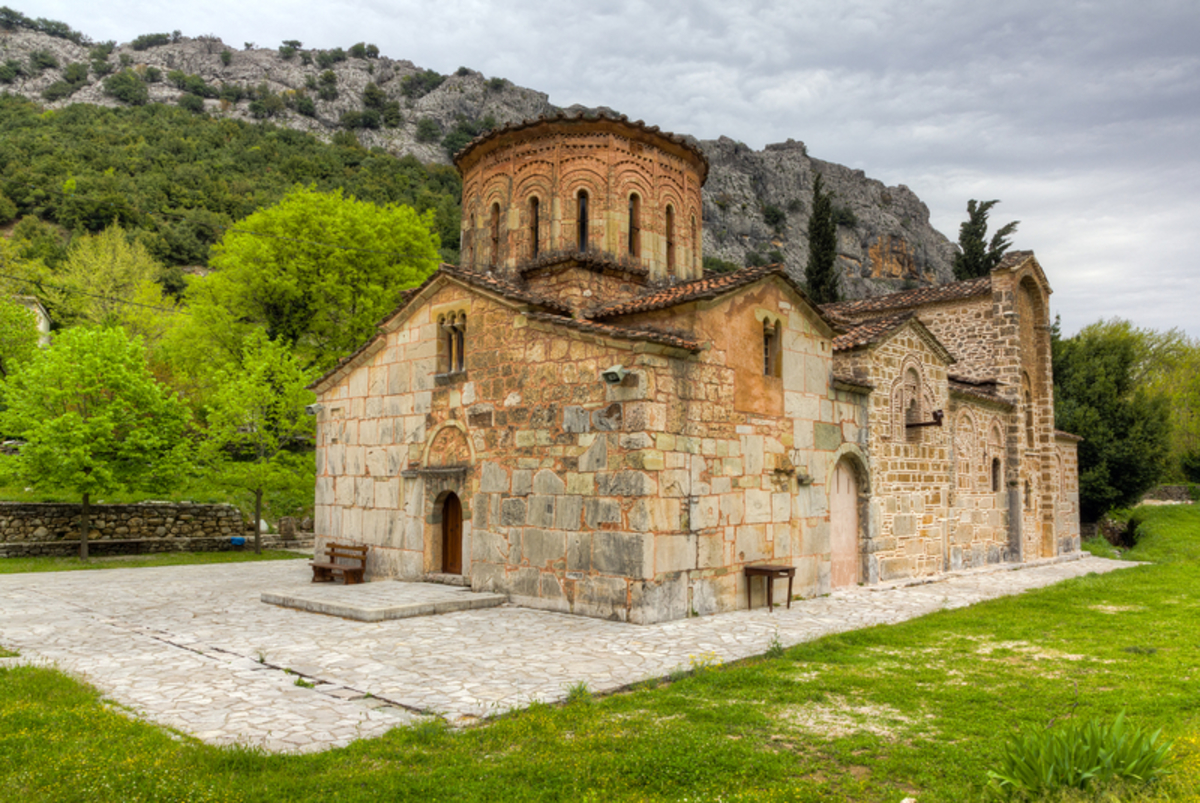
(35, 529)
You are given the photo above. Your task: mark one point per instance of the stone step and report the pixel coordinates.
(448, 579)
(382, 600)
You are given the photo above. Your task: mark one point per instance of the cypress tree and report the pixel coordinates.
(820, 276)
(976, 256)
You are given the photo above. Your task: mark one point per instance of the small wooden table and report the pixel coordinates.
(770, 574)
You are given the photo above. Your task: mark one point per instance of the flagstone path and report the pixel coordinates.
(193, 647)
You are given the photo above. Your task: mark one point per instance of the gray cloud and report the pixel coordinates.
(1082, 117)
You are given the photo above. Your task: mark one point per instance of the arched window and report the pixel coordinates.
(452, 348)
(635, 225)
(670, 240)
(495, 234)
(534, 223)
(910, 405)
(771, 338)
(583, 220)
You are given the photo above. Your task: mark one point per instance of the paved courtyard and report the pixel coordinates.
(194, 648)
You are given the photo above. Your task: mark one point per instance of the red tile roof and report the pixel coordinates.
(868, 332)
(598, 261)
(564, 117)
(483, 281)
(953, 291)
(619, 332)
(709, 286)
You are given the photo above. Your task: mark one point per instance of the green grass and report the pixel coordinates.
(18, 565)
(919, 709)
(7, 653)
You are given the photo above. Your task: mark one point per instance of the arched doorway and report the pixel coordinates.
(843, 519)
(452, 534)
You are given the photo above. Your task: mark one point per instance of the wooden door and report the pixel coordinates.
(843, 516)
(452, 535)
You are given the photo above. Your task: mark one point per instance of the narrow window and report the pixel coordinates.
(495, 234)
(471, 243)
(770, 349)
(695, 250)
(446, 355)
(635, 227)
(534, 209)
(583, 220)
(460, 338)
(995, 474)
(670, 240)
(1028, 496)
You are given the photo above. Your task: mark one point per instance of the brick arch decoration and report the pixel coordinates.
(447, 446)
(857, 459)
(966, 451)
(903, 392)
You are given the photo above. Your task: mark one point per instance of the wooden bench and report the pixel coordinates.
(770, 574)
(351, 572)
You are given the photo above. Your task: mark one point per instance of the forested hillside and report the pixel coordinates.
(175, 179)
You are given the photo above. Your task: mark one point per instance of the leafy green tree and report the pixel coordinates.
(321, 269)
(256, 415)
(976, 256)
(428, 130)
(93, 419)
(820, 276)
(100, 270)
(1100, 394)
(18, 335)
(127, 87)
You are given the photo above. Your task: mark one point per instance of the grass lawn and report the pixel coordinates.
(17, 565)
(920, 709)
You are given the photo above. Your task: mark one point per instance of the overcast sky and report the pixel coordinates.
(1083, 118)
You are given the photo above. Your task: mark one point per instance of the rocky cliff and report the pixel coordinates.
(756, 203)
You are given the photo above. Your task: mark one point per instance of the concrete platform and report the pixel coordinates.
(379, 601)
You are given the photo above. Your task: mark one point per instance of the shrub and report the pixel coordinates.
(10, 71)
(718, 265)
(372, 52)
(463, 72)
(359, 50)
(795, 205)
(75, 73)
(42, 60)
(294, 44)
(306, 106)
(391, 114)
(754, 259)
(844, 216)
(337, 54)
(428, 130)
(496, 84)
(101, 68)
(305, 58)
(324, 60)
(193, 103)
(420, 84)
(773, 216)
(1079, 755)
(351, 119)
(59, 90)
(102, 50)
(152, 75)
(232, 92)
(149, 40)
(8, 210)
(374, 97)
(464, 131)
(328, 78)
(286, 52)
(226, 57)
(125, 59)
(327, 93)
(126, 87)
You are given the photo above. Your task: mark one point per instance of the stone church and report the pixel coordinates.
(582, 418)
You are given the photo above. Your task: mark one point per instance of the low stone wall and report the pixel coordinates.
(34, 529)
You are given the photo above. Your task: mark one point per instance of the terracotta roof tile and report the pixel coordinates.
(589, 260)
(910, 298)
(709, 286)
(868, 332)
(591, 116)
(482, 281)
(620, 332)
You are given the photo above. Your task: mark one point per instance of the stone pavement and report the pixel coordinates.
(192, 647)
